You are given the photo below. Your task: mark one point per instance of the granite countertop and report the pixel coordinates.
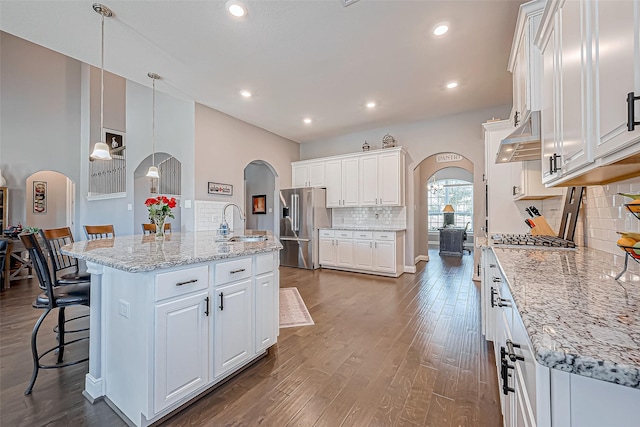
(139, 253)
(369, 228)
(579, 319)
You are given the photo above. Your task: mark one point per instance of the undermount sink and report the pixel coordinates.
(247, 239)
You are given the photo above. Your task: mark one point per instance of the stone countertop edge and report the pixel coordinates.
(138, 253)
(389, 229)
(578, 318)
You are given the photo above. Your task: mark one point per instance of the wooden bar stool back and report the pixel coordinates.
(94, 232)
(65, 267)
(151, 228)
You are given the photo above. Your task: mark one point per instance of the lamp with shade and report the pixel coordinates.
(101, 149)
(153, 169)
(448, 214)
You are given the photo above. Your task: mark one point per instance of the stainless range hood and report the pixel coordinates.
(523, 143)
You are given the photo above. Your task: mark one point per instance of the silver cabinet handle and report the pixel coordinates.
(240, 270)
(186, 282)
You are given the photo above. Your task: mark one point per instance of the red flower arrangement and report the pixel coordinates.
(160, 208)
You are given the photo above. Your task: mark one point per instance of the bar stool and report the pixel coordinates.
(99, 231)
(54, 297)
(151, 228)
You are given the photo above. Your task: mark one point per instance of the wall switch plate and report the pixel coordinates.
(129, 207)
(187, 204)
(123, 308)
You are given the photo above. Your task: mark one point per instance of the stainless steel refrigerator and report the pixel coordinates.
(302, 213)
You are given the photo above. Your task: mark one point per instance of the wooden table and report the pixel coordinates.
(451, 241)
(16, 251)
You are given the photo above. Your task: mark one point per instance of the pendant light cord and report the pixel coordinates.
(153, 125)
(102, 85)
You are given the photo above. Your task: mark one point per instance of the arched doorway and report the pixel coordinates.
(260, 179)
(49, 200)
(169, 184)
(444, 166)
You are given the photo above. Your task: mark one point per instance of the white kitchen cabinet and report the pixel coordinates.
(266, 311)
(591, 56)
(342, 182)
(233, 307)
(527, 182)
(181, 348)
(381, 179)
(376, 252)
(308, 174)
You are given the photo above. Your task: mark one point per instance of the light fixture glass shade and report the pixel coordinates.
(153, 172)
(100, 152)
(448, 208)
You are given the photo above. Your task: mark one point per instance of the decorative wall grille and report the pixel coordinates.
(108, 176)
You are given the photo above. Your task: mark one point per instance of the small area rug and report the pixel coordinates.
(293, 312)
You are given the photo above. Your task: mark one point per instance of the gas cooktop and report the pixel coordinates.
(529, 240)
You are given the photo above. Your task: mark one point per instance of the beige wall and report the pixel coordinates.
(56, 199)
(458, 133)
(226, 145)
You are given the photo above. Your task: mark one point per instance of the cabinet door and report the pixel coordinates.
(520, 83)
(181, 348)
(549, 115)
(390, 182)
(333, 179)
(233, 326)
(517, 180)
(616, 51)
(385, 256)
(350, 182)
(327, 253)
(363, 254)
(266, 323)
(368, 180)
(299, 175)
(316, 175)
(344, 252)
(573, 68)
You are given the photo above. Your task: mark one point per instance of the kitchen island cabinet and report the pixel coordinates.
(565, 336)
(172, 318)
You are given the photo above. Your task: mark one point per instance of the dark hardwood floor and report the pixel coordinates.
(383, 352)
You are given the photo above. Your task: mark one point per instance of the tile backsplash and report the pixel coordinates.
(208, 215)
(602, 214)
(391, 216)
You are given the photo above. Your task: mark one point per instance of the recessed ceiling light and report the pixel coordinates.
(440, 29)
(307, 120)
(452, 85)
(237, 9)
(245, 93)
(371, 104)
(504, 159)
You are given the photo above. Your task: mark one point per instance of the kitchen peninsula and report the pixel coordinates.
(171, 318)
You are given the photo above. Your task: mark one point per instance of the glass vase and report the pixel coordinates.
(160, 227)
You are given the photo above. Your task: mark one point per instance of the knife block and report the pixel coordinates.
(542, 227)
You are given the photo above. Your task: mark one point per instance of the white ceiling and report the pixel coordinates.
(298, 58)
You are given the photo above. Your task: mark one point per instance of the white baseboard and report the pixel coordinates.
(422, 258)
(93, 390)
(409, 268)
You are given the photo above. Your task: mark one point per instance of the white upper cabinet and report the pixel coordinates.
(308, 174)
(527, 182)
(616, 63)
(591, 62)
(382, 179)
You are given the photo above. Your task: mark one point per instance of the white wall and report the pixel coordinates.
(56, 200)
(226, 145)
(259, 180)
(459, 133)
(40, 117)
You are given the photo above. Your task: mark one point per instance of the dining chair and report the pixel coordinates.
(99, 231)
(54, 297)
(4, 245)
(151, 228)
(65, 267)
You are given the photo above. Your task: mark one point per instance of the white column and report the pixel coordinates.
(94, 384)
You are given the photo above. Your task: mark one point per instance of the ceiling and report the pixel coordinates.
(299, 59)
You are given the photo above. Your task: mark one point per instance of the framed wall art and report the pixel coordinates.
(39, 197)
(217, 188)
(115, 141)
(259, 204)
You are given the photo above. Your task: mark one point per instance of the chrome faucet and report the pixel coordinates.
(224, 226)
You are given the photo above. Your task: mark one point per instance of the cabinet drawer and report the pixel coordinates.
(384, 235)
(327, 233)
(363, 235)
(180, 282)
(230, 271)
(344, 234)
(264, 263)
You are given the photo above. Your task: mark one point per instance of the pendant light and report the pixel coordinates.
(153, 170)
(100, 149)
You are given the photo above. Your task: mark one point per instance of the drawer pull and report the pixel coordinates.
(240, 270)
(504, 302)
(383, 237)
(496, 279)
(493, 296)
(186, 282)
(511, 353)
(221, 306)
(492, 266)
(206, 307)
(504, 372)
(631, 123)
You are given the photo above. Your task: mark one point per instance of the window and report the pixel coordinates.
(457, 193)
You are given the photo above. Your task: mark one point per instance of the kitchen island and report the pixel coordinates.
(566, 335)
(171, 318)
